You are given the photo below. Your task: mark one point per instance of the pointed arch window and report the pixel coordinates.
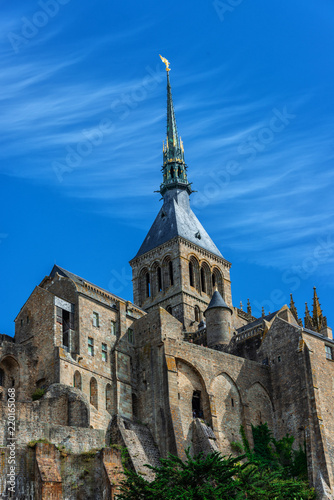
(93, 392)
(197, 313)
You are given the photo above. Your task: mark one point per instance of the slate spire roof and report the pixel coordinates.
(217, 301)
(175, 217)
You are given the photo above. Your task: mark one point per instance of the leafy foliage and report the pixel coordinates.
(215, 477)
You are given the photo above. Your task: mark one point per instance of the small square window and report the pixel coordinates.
(329, 352)
(90, 346)
(104, 352)
(96, 319)
(113, 327)
(130, 335)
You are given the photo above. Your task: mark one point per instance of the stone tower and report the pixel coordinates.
(178, 265)
(218, 321)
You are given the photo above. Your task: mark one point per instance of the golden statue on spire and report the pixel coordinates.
(164, 60)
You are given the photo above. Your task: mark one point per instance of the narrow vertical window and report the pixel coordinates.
(203, 283)
(113, 327)
(104, 352)
(191, 274)
(96, 319)
(159, 277)
(197, 313)
(148, 285)
(130, 335)
(171, 277)
(213, 280)
(90, 346)
(93, 392)
(329, 352)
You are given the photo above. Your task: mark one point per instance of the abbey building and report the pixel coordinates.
(179, 367)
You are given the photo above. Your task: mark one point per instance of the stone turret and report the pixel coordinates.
(218, 321)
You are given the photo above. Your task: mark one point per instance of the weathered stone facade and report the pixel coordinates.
(92, 371)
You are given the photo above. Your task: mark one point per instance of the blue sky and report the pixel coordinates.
(83, 101)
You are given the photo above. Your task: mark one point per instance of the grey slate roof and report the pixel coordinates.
(176, 218)
(217, 301)
(257, 322)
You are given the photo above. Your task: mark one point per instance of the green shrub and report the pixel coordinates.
(38, 394)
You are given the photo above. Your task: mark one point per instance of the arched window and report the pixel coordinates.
(206, 283)
(108, 398)
(194, 273)
(191, 274)
(171, 277)
(159, 279)
(165, 272)
(93, 392)
(169, 310)
(217, 280)
(77, 380)
(197, 313)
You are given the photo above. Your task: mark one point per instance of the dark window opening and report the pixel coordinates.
(66, 327)
(279, 359)
(197, 313)
(232, 402)
(159, 275)
(196, 405)
(203, 280)
(28, 319)
(172, 172)
(179, 173)
(213, 280)
(171, 277)
(169, 310)
(2, 377)
(191, 274)
(148, 285)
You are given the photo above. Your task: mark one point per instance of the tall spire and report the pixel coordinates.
(293, 309)
(174, 168)
(319, 321)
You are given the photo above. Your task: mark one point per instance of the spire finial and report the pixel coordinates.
(249, 309)
(164, 60)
